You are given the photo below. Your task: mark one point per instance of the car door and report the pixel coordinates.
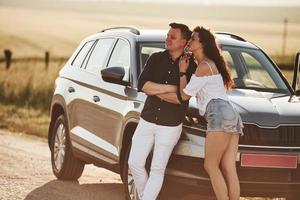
(102, 106)
(88, 112)
(114, 102)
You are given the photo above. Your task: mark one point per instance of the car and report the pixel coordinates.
(96, 107)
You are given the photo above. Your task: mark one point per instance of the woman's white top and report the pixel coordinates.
(205, 88)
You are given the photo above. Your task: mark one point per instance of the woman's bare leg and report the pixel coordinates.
(216, 144)
(228, 164)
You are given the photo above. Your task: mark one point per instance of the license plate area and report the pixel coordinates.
(269, 160)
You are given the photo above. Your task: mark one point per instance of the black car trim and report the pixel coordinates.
(271, 127)
(88, 55)
(92, 153)
(105, 91)
(269, 147)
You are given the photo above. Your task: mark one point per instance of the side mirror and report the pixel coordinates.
(295, 84)
(114, 75)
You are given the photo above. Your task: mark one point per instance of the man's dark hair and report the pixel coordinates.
(185, 31)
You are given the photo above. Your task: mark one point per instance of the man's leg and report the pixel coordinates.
(165, 140)
(142, 143)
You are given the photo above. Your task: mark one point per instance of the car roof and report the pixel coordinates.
(149, 35)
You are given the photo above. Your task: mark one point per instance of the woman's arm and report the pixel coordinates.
(183, 66)
(183, 83)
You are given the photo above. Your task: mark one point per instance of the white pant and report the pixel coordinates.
(147, 135)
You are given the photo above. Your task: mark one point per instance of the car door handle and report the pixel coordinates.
(71, 89)
(96, 98)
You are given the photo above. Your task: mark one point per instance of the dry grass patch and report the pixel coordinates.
(24, 120)
(28, 83)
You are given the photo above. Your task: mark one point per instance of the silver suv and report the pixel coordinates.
(96, 107)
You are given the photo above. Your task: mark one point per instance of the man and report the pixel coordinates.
(160, 125)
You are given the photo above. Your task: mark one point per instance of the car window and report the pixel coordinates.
(147, 50)
(81, 55)
(230, 63)
(251, 69)
(100, 53)
(121, 57)
(257, 72)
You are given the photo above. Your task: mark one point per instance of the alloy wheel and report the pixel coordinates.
(60, 146)
(131, 187)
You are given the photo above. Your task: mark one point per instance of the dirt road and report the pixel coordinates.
(25, 173)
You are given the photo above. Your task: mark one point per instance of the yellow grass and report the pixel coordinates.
(28, 83)
(24, 120)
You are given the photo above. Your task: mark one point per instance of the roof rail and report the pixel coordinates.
(232, 36)
(132, 29)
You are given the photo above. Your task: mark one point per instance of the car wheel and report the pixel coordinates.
(129, 185)
(64, 165)
(128, 182)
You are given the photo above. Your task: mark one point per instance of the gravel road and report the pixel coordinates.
(25, 173)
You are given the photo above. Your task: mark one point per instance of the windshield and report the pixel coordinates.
(250, 68)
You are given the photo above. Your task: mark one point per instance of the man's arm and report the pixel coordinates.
(169, 97)
(151, 88)
(173, 96)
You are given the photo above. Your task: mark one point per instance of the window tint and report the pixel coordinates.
(230, 63)
(253, 70)
(99, 55)
(77, 62)
(148, 49)
(257, 72)
(121, 57)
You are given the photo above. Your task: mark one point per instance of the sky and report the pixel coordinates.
(214, 2)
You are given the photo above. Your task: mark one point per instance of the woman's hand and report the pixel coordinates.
(184, 63)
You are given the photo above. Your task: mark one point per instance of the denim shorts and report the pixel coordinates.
(221, 116)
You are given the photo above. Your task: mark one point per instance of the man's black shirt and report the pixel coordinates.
(160, 68)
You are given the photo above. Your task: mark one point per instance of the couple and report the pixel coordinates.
(170, 79)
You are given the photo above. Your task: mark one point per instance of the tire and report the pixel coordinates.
(128, 182)
(64, 165)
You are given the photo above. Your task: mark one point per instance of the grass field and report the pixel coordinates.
(30, 27)
(26, 92)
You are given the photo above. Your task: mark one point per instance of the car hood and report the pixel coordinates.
(264, 109)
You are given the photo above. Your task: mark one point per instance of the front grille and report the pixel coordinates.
(281, 136)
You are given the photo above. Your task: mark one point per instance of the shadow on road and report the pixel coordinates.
(72, 190)
(67, 190)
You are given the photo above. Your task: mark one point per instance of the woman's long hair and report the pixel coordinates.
(213, 52)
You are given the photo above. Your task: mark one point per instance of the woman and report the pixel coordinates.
(209, 84)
